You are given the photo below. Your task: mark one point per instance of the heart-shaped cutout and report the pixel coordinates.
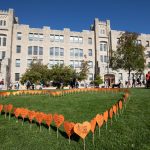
(105, 116)
(48, 119)
(111, 113)
(120, 104)
(115, 109)
(58, 119)
(68, 126)
(82, 129)
(1, 108)
(93, 125)
(99, 120)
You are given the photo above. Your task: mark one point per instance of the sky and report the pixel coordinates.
(78, 15)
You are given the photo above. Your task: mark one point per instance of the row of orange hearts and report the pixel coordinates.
(60, 93)
(70, 127)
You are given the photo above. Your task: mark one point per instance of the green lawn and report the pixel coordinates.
(130, 131)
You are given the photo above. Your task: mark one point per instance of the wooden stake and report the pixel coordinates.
(106, 125)
(93, 138)
(99, 130)
(69, 139)
(57, 133)
(84, 143)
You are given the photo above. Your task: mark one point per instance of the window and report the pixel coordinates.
(0, 41)
(102, 31)
(35, 50)
(120, 76)
(4, 23)
(41, 37)
(30, 50)
(19, 35)
(31, 36)
(4, 41)
(72, 63)
(61, 37)
(103, 46)
(147, 43)
(118, 40)
(90, 52)
(75, 52)
(76, 64)
(71, 39)
(61, 52)
(90, 63)
(51, 51)
(105, 59)
(55, 62)
(148, 65)
(89, 40)
(17, 62)
(1, 22)
(2, 55)
(52, 37)
(80, 40)
(148, 54)
(81, 52)
(90, 76)
(40, 50)
(36, 36)
(17, 76)
(56, 38)
(76, 39)
(138, 42)
(29, 61)
(18, 49)
(101, 58)
(56, 51)
(72, 52)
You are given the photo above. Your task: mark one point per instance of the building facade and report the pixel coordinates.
(20, 45)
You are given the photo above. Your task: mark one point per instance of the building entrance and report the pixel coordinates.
(110, 78)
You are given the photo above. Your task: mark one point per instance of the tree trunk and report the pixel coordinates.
(129, 78)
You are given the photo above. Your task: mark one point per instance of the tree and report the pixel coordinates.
(97, 81)
(129, 54)
(36, 73)
(83, 74)
(62, 74)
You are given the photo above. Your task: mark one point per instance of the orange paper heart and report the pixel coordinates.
(39, 117)
(9, 107)
(82, 129)
(105, 116)
(68, 126)
(48, 119)
(120, 104)
(99, 120)
(114, 109)
(24, 112)
(17, 112)
(1, 108)
(58, 119)
(93, 124)
(111, 113)
(31, 115)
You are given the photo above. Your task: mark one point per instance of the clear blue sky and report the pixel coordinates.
(129, 15)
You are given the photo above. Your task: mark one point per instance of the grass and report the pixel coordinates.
(130, 131)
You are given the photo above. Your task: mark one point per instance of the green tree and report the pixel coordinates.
(97, 81)
(129, 54)
(83, 74)
(36, 73)
(62, 74)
